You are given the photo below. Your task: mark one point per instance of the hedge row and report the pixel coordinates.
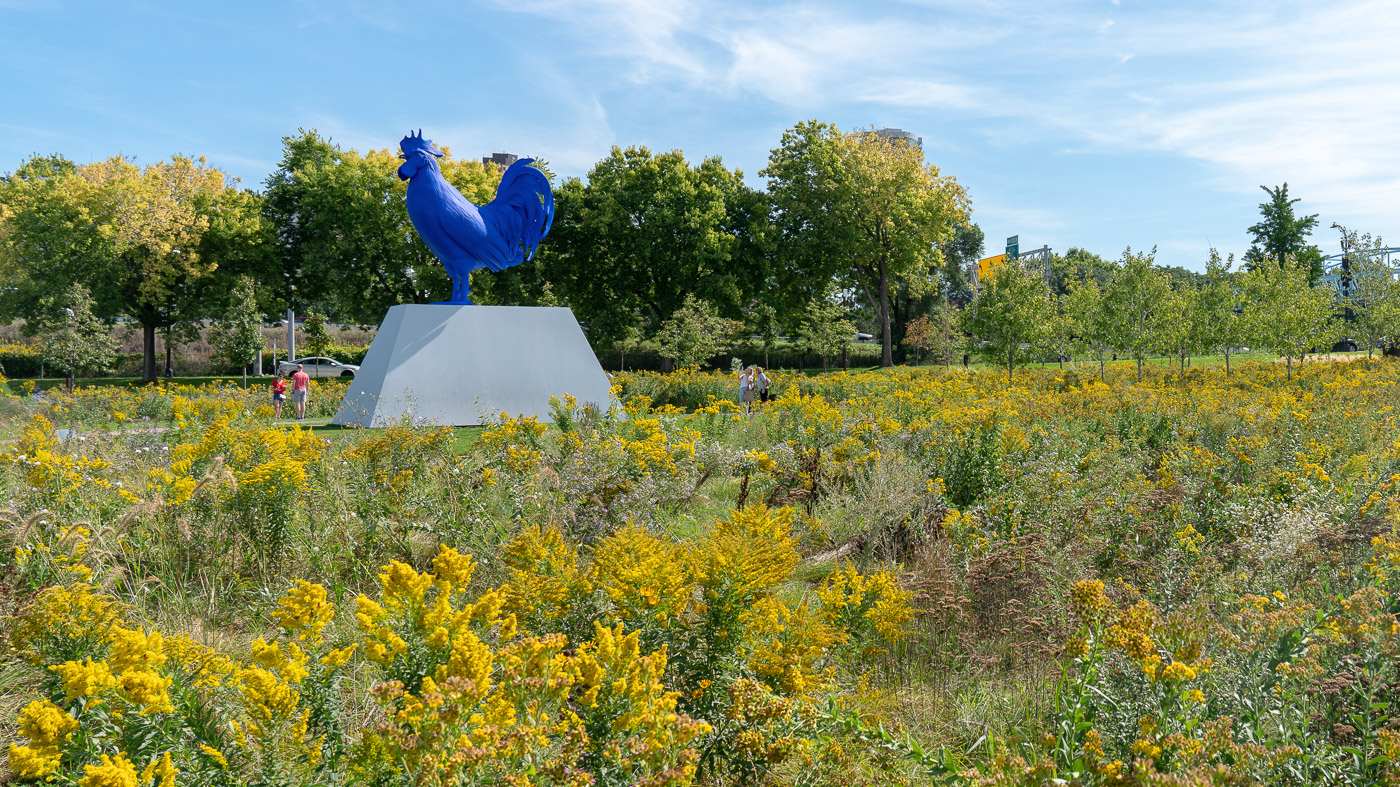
(22, 360)
(748, 354)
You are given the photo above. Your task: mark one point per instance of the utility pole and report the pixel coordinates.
(291, 335)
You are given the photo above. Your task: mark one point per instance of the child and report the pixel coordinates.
(279, 395)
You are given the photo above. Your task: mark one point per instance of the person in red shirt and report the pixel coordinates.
(301, 386)
(279, 394)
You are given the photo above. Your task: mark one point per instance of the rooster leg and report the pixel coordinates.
(461, 289)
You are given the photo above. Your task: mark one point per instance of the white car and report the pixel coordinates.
(317, 366)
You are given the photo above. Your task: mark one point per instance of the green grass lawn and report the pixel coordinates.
(16, 386)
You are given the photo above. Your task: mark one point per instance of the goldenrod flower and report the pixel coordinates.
(113, 772)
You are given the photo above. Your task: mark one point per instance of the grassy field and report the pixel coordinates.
(901, 576)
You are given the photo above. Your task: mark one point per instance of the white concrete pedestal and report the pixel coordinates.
(461, 365)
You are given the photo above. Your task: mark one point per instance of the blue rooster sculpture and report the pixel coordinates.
(464, 236)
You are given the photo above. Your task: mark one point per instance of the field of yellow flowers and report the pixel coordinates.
(895, 577)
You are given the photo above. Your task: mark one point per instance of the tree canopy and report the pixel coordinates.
(649, 229)
(153, 243)
(1282, 235)
(863, 208)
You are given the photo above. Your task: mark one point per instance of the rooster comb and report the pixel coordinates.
(414, 142)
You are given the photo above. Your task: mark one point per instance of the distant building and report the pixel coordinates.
(899, 133)
(501, 160)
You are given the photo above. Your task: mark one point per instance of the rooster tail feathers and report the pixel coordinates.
(523, 209)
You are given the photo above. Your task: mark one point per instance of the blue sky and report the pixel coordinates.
(1100, 124)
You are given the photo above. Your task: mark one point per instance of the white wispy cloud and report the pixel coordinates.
(1257, 92)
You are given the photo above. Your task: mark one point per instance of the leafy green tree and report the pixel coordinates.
(74, 339)
(864, 209)
(763, 323)
(317, 338)
(1058, 339)
(1177, 332)
(695, 333)
(1089, 324)
(1013, 310)
(1284, 312)
(1218, 307)
(945, 331)
(1370, 290)
(1135, 304)
(237, 338)
(47, 238)
(826, 330)
(960, 252)
(1282, 235)
(647, 229)
(1078, 265)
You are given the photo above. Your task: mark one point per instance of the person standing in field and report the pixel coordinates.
(763, 383)
(746, 389)
(279, 394)
(301, 386)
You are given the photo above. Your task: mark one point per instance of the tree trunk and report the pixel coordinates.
(1100, 367)
(886, 337)
(1227, 362)
(1289, 360)
(1010, 364)
(148, 352)
(169, 354)
(1139, 363)
(245, 376)
(70, 384)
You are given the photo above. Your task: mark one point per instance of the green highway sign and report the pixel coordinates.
(1013, 247)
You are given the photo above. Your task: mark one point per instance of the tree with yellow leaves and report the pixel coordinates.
(145, 240)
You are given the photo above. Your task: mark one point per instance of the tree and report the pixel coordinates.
(864, 209)
(1218, 307)
(960, 252)
(148, 242)
(317, 338)
(826, 329)
(1078, 265)
(1284, 312)
(238, 336)
(1177, 332)
(1012, 311)
(1135, 305)
(695, 333)
(919, 335)
(645, 230)
(1282, 235)
(762, 321)
(1058, 339)
(945, 334)
(74, 339)
(1369, 289)
(1089, 325)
